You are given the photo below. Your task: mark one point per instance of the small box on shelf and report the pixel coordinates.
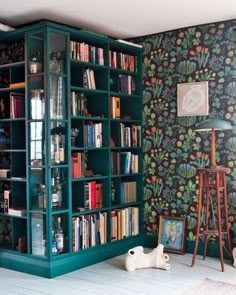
(4, 173)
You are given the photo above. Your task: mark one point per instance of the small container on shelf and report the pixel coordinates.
(56, 63)
(37, 104)
(34, 64)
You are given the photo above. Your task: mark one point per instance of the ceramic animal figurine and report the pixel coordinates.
(136, 258)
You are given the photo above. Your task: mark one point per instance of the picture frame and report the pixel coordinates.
(192, 99)
(172, 234)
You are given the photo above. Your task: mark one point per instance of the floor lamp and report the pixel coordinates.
(213, 125)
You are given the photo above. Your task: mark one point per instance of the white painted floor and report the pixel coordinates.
(110, 277)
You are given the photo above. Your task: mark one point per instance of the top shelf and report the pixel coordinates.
(12, 65)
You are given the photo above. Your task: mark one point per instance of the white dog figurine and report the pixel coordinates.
(136, 258)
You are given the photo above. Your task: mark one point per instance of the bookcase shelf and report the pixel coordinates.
(71, 180)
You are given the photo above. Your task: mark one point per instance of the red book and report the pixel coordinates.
(99, 195)
(92, 195)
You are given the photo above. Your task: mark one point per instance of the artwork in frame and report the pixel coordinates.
(172, 234)
(192, 99)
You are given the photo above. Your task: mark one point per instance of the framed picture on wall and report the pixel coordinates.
(172, 234)
(192, 99)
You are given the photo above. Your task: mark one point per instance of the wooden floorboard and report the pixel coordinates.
(110, 277)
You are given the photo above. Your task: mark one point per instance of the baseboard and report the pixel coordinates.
(67, 262)
(212, 248)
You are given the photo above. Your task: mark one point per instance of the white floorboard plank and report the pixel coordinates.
(110, 277)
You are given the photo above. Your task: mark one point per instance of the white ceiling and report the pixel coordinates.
(119, 18)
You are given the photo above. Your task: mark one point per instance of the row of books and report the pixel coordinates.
(89, 230)
(126, 84)
(88, 53)
(128, 192)
(124, 223)
(93, 135)
(17, 105)
(13, 107)
(124, 163)
(93, 195)
(89, 79)
(78, 104)
(122, 61)
(130, 136)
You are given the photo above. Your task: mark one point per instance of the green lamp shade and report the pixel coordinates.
(213, 125)
(216, 124)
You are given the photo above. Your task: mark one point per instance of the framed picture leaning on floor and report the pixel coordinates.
(172, 234)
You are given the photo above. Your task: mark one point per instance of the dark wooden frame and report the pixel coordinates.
(172, 234)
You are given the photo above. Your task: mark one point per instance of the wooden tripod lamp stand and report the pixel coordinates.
(212, 180)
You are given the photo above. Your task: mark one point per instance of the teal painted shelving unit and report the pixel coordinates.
(70, 148)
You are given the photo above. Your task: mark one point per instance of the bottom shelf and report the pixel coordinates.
(70, 262)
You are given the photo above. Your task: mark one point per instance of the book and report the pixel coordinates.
(114, 233)
(17, 105)
(134, 220)
(117, 107)
(18, 84)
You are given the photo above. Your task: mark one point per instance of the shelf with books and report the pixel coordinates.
(90, 194)
(85, 104)
(59, 145)
(126, 134)
(124, 223)
(125, 189)
(89, 132)
(86, 163)
(124, 162)
(122, 61)
(84, 52)
(89, 230)
(88, 77)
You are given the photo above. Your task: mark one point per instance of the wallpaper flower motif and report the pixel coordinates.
(172, 149)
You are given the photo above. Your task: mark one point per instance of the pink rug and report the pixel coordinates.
(211, 287)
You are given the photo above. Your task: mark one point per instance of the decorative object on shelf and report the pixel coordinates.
(59, 235)
(136, 258)
(11, 53)
(6, 231)
(22, 245)
(37, 104)
(74, 136)
(6, 28)
(172, 233)
(213, 125)
(192, 99)
(56, 63)
(34, 64)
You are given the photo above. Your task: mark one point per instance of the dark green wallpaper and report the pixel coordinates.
(172, 149)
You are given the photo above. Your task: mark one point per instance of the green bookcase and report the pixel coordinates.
(71, 169)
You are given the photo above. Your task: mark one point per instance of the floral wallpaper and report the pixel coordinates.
(172, 149)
